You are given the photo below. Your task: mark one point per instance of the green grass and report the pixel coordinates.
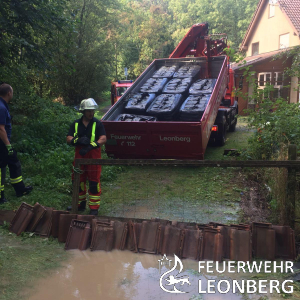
(24, 259)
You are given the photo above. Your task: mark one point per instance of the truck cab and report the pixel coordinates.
(118, 89)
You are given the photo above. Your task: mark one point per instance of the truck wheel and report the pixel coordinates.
(221, 137)
(232, 126)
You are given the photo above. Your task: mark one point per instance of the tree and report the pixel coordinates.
(26, 39)
(231, 17)
(82, 63)
(145, 34)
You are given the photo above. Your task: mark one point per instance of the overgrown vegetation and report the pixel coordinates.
(72, 49)
(277, 126)
(274, 120)
(275, 123)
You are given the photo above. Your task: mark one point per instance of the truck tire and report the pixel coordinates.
(221, 137)
(232, 126)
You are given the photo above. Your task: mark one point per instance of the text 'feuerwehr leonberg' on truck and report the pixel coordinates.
(177, 104)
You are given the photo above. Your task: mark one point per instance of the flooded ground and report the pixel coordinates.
(174, 209)
(211, 195)
(191, 194)
(123, 275)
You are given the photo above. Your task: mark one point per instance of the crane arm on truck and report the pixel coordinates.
(197, 42)
(193, 43)
(175, 133)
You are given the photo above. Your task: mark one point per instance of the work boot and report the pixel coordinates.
(94, 212)
(25, 191)
(2, 198)
(81, 206)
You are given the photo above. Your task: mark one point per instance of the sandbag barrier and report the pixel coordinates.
(212, 241)
(171, 94)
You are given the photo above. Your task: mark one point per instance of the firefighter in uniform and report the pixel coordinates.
(87, 134)
(8, 156)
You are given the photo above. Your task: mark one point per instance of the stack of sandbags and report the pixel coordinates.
(139, 103)
(202, 86)
(165, 72)
(187, 71)
(154, 85)
(134, 118)
(193, 108)
(178, 86)
(165, 106)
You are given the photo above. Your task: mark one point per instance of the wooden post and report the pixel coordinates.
(76, 185)
(291, 189)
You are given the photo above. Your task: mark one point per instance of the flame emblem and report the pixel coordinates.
(174, 280)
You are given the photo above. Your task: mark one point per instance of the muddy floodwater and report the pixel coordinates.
(126, 275)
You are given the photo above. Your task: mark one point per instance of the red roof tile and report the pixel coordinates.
(292, 9)
(251, 60)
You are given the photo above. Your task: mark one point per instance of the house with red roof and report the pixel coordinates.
(274, 28)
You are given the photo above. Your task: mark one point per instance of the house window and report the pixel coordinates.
(278, 84)
(284, 41)
(271, 10)
(272, 4)
(255, 48)
(264, 78)
(278, 79)
(275, 80)
(241, 82)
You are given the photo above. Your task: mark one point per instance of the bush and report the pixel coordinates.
(276, 126)
(40, 125)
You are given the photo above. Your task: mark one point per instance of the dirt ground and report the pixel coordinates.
(254, 200)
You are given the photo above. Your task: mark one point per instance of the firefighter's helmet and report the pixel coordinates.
(89, 103)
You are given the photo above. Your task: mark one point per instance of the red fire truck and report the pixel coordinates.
(174, 137)
(118, 89)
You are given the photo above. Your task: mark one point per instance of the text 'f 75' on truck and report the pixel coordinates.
(177, 104)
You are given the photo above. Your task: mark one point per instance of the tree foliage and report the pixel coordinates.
(73, 48)
(26, 38)
(82, 62)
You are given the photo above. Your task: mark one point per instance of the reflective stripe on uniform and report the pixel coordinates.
(82, 186)
(16, 180)
(94, 144)
(94, 197)
(76, 129)
(94, 203)
(82, 196)
(93, 132)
